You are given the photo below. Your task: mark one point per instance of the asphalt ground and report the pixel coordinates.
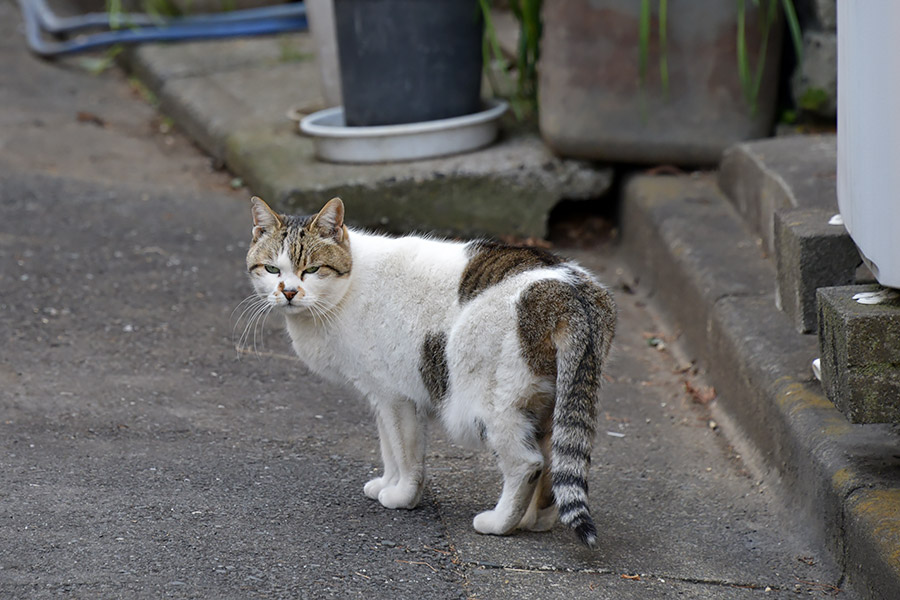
(144, 455)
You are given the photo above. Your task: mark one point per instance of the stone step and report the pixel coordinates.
(765, 176)
(785, 189)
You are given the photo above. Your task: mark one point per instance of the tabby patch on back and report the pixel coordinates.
(503, 345)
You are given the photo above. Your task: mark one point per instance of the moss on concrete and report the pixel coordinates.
(457, 206)
(873, 521)
(859, 354)
(490, 194)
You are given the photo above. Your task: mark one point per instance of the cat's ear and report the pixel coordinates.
(264, 218)
(330, 221)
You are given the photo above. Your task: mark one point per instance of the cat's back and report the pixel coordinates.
(413, 268)
(491, 263)
(424, 273)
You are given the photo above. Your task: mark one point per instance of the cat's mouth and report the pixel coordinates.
(292, 309)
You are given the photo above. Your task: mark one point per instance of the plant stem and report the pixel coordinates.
(644, 41)
(743, 66)
(790, 16)
(663, 51)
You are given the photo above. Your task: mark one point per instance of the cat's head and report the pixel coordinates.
(300, 265)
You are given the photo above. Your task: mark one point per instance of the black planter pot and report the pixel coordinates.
(406, 61)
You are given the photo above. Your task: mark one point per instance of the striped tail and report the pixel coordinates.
(581, 349)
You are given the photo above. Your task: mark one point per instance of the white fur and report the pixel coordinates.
(367, 329)
(397, 290)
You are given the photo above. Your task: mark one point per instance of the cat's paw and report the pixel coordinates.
(374, 486)
(540, 520)
(400, 496)
(490, 522)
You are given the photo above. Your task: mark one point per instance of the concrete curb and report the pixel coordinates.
(232, 97)
(710, 275)
(765, 176)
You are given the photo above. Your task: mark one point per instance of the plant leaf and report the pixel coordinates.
(790, 15)
(663, 51)
(644, 40)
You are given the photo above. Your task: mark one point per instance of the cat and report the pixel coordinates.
(502, 344)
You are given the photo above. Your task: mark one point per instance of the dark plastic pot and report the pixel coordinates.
(407, 61)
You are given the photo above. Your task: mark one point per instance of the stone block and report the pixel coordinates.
(809, 254)
(814, 83)
(860, 354)
(765, 176)
(825, 14)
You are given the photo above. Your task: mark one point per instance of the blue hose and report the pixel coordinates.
(266, 20)
(52, 23)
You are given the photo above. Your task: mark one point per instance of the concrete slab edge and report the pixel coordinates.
(832, 472)
(756, 190)
(515, 198)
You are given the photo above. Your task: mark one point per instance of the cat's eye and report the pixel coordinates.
(311, 269)
(273, 269)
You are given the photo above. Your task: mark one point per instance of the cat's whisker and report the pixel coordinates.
(327, 315)
(248, 299)
(241, 342)
(322, 316)
(330, 318)
(255, 311)
(257, 320)
(261, 328)
(251, 302)
(316, 316)
(247, 322)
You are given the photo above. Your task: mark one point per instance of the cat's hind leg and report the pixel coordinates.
(542, 512)
(402, 432)
(522, 465)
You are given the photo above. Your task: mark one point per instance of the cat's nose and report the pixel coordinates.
(289, 294)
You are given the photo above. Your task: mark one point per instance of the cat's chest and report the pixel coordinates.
(376, 356)
(401, 292)
(319, 349)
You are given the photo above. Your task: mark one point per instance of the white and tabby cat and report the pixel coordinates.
(504, 345)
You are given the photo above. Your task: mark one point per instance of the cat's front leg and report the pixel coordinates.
(391, 473)
(402, 433)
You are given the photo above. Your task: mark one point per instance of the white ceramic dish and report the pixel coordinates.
(335, 142)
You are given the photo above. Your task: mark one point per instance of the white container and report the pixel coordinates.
(868, 138)
(335, 142)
